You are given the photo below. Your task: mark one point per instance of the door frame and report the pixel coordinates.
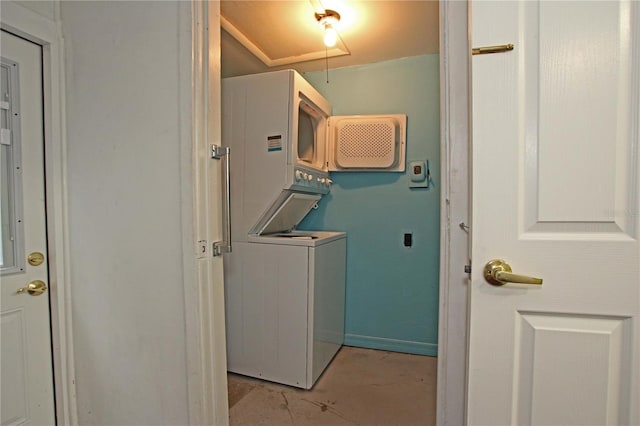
(455, 204)
(40, 30)
(206, 341)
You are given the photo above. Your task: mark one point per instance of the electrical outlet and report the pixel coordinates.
(408, 239)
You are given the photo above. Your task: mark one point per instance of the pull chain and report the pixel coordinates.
(326, 59)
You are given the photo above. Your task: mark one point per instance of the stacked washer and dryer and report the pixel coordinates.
(284, 288)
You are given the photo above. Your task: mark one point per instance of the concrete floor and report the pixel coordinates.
(360, 387)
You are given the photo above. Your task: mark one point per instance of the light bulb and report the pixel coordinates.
(330, 36)
(327, 20)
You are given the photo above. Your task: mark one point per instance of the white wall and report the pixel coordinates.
(46, 9)
(128, 68)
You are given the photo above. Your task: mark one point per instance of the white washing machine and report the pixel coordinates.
(285, 305)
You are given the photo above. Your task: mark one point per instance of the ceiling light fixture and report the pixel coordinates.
(329, 19)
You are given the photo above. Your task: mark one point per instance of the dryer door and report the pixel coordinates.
(285, 213)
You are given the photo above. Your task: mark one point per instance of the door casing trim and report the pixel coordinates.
(455, 83)
(204, 301)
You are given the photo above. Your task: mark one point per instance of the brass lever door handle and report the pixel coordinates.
(35, 288)
(498, 272)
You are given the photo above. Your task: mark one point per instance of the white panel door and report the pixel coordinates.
(556, 127)
(27, 376)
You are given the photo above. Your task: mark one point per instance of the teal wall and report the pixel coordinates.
(392, 291)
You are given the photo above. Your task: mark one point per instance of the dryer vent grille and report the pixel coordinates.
(369, 145)
(368, 142)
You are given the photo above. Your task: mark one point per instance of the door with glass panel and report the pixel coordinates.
(27, 375)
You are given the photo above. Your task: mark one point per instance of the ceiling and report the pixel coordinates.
(265, 35)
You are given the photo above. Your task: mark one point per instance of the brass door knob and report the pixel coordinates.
(35, 288)
(498, 272)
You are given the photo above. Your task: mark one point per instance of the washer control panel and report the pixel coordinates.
(311, 180)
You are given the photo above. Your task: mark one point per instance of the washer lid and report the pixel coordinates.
(285, 213)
